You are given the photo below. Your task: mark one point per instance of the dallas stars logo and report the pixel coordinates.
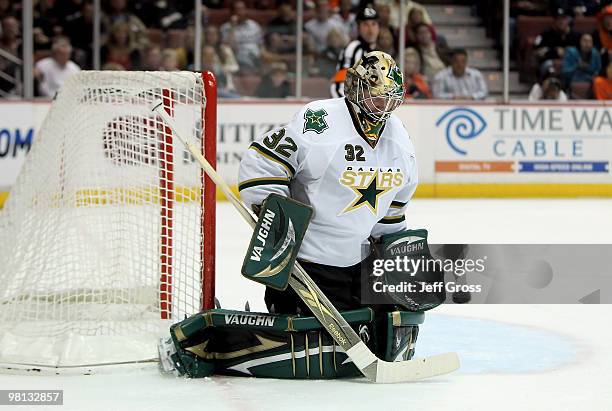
(315, 121)
(369, 184)
(367, 195)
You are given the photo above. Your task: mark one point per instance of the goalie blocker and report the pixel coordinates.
(276, 241)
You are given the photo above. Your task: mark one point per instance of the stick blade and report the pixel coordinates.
(416, 369)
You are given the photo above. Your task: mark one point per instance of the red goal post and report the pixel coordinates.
(210, 193)
(207, 198)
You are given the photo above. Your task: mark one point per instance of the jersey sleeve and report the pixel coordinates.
(269, 165)
(395, 219)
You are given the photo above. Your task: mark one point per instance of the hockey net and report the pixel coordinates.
(107, 236)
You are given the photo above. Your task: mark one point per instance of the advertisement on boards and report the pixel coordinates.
(518, 144)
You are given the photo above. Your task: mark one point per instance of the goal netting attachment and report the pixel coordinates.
(107, 237)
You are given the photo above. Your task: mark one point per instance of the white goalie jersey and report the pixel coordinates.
(321, 158)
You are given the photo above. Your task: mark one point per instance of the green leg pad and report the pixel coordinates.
(263, 345)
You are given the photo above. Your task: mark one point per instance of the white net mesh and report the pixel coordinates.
(101, 237)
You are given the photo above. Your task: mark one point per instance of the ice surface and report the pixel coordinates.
(519, 357)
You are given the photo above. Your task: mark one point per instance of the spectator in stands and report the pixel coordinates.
(319, 27)
(602, 85)
(211, 61)
(548, 88)
(285, 44)
(384, 15)
(415, 19)
(275, 84)
(177, 40)
(40, 39)
(273, 50)
(550, 45)
(79, 28)
(386, 42)
(10, 35)
(415, 83)
(348, 17)
(435, 57)
(6, 9)
(226, 56)
(121, 47)
(581, 64)
(46, 24)
(10, 42)
(152, 58)
(52, 72)
(186, 53)
(244, 36)
(169, 60)
(329, 57)
(394, 6)
(117, 12)
(284, 22)
(459, 82)
(602, 37)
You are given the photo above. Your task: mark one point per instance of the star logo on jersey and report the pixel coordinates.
(367, 196)
(369, 184)
(314, 120)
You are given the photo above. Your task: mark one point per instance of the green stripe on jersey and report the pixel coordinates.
(397, 204)
(279, 181)
(392, 219)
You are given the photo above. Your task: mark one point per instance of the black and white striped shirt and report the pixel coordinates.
(351, 54)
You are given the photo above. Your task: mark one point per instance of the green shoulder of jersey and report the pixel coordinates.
(314, 120)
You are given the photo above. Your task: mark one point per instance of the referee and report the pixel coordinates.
(367, 28)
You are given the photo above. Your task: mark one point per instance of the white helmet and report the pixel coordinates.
(375, 85)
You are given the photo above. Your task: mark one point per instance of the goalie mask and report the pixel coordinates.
(375, 85)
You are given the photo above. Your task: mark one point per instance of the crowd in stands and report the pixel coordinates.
(562, 46)
(250, 45)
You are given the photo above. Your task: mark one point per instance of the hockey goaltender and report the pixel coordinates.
(326, 186)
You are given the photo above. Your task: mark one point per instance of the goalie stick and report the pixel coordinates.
(373, 368)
